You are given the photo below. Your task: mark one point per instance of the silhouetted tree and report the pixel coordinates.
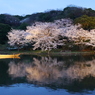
(73, 12)
(4, 29)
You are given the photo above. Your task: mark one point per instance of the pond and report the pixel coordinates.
(52, 75)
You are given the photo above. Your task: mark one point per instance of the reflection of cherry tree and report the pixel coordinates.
(48, 70)
(40, 71)
(17, 70)
(81, 70)
(44, 70)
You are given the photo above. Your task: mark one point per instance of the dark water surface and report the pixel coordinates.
(35, 75)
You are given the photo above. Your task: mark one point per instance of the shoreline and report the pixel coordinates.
(51, 53)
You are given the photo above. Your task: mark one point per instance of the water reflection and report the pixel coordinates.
(67, 73)
(73, 73)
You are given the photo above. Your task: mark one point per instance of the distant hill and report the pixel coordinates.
(73, 12)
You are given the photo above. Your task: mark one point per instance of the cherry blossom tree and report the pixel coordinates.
(48, 36)
(80, 36)
(17, 38)
(45, 35)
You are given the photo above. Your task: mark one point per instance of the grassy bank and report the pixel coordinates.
(56, 52)
(51, 53)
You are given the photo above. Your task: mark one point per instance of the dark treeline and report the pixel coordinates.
(84, 16)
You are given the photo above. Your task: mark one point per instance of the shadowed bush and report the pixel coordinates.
(87, 22)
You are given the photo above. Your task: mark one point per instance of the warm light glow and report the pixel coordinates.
(9, 56)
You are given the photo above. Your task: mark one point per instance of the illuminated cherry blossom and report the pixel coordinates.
(17, 38)
(48, 36)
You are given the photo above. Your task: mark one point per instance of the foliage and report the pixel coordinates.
(2, 18)
(4, 29)
(87, 22)
(89, 12)
(45, 17)
(73, 12)
(23, 26)
(19, 17)
(9, 19)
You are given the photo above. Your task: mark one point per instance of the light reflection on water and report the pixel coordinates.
(48, 75)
